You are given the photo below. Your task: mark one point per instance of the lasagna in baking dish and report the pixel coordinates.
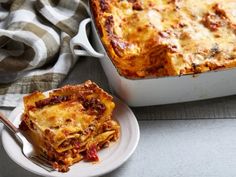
(154, 38)
(71, 123)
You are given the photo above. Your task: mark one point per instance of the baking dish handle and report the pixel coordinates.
(81, 40)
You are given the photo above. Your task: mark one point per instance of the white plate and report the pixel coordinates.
(110, 158)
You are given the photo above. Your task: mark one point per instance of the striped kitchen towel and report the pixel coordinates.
(34, 45)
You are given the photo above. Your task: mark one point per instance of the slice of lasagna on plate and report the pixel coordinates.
(71, 123)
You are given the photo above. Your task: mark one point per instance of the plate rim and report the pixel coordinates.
(19, 109)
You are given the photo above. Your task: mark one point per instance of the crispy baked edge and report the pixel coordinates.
(109, 41)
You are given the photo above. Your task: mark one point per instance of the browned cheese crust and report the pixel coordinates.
(154, 38)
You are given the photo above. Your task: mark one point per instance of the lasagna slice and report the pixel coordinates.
(71, 123)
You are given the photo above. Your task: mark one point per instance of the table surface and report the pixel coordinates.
(180, 140)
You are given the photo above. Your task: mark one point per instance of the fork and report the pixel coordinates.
(27, 148)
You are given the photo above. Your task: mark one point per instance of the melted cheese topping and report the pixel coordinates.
(147, 38)
(63, 120)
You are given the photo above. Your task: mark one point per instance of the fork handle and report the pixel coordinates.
(8, 123)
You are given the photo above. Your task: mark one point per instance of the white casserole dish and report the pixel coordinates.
(155, 91)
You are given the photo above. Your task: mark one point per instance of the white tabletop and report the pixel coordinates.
(180, 140)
